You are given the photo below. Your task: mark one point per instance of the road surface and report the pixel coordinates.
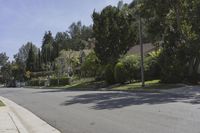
(174, 111)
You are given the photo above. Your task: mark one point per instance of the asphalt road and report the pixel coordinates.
(174, 111)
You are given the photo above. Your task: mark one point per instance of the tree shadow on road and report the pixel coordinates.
(114, 100)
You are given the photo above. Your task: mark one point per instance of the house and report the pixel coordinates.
(147, 48)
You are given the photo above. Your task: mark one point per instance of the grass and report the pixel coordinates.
(82, 84)
(1, 104)
(91, 84)
(149, 85)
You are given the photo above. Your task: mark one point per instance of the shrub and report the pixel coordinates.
(100, 74)
(173, 70)
(90, 65)
(109, 74)
(41, 74)
(132, 67)
(59, 82)
(120, 73)
(128, 68)
(152, 68)
(36, 82)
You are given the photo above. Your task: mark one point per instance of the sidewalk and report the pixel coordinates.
(9, 122)
(16, 119)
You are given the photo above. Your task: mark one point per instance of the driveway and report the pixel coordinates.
(172, 111)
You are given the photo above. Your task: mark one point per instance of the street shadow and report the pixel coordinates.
(115, 100)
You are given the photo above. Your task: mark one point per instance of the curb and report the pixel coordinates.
(18, 124)
(26, 121)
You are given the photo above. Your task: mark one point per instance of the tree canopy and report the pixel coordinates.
(115, 32)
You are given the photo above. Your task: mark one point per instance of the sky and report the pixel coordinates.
(27, 20)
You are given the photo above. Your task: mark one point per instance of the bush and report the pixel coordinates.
(128, 68)
(36, 82)
(100, 74)
(59, 82)
(109, 74)
(120, 73)
(132, 67)
(90, 66)
(41, 74)
(152, 68)
(173, 70)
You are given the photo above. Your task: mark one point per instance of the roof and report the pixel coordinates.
(147, 47)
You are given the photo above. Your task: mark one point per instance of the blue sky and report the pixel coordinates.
(27, 20)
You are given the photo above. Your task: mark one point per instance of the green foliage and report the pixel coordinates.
(41, 74)
(172, 69)
(66, 62)
(132, 66)
(18, 72)
(90, 65)
(109, 74)
(100, 73)
(115, 32)
(120, 73)
(3, 59)
(152, 66)
(36, 82)
(47, 47)
(59, 81)
(6, 72)
(79, 35)
(30, 62)
(173, 25)
(61, 41)
(4, 67)
(12, 71)
(128, 68)
(23, 53)
(26, 58)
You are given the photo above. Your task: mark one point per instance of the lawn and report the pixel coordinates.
(149, 85)
(91, 84)
(83, 84)
(1, 104)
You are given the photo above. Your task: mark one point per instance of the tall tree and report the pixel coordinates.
(79, 35)
(30, 62)
(173, 24)
(23, 53)
(115, 32)
(61, 42)
(47, 47)
(3, 59)
(6, 71)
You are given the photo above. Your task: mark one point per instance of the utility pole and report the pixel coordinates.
(141, 51)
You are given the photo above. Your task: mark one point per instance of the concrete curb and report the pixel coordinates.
(18, 124)
(26, 121)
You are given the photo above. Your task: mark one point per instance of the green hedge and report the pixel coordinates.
(127, 69)
(36, 82)
(41, 74)
(60, 82)
(90, 66)
(109, 74)
(120, 73)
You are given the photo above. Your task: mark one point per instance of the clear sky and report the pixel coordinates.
(27, 20)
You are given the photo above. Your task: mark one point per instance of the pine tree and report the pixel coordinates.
(30, 62)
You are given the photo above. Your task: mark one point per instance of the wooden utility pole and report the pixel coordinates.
(141, 52)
